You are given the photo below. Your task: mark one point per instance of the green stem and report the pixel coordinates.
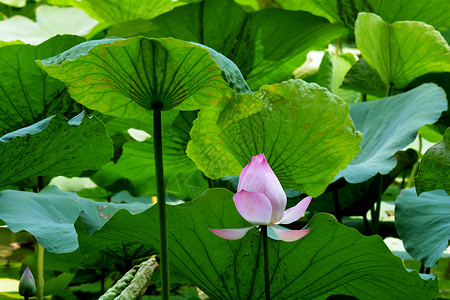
(40, 255)
(40, 272)
(364, 98)
(159, 171)
(389, 90)
(338, 46)
(266, 262)
(412, 176)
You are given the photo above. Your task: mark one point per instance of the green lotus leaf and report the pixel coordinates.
(401, 51)
(331, 259)
(388, 125)
(434, 169)
(267, 45)
(50, 215)
(423, 224)
(129, 77)
(54, 147)
(305, 132)
(118, 11)
(346, 11)
(28, 95)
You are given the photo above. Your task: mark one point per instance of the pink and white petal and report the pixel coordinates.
(242, 175)
(289, 235)
(231, 234)
(257, 176)
(296, 212)
(253, 207)
(252, 177)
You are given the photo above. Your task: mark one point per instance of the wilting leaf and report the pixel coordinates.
(134, 283)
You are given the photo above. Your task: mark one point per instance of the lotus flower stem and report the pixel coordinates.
(266, 261)
(159, 171)
(40, 255)
(40, 272)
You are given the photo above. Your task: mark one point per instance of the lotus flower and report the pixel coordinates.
(261, 200)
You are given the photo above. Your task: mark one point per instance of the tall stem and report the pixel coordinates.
(266, 262)
(40, 255)
(40, 272)
(164, 259)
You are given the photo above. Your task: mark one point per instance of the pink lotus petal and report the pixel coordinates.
(296, 212)
(257, 176)
(231, 234)
(289, 235)
(253, 207)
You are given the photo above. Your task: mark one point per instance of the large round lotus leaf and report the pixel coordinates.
(53, 147)
(267, 45)
(50, 215)
(401, 51)
(423, 223)
(434, 171)
(331, 259)
(129, 77)
(388, 125)
(28, 95)
(305, 132)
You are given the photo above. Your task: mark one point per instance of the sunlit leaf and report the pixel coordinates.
(128, 77)
(423, 224)
(27, 94)
(388, 125)
(50, 215)
(266, 45)
(331, 259)
(401, 51)
(52, 147)
(48, 24)
(305, 132)
(331, 74)
(434, 172)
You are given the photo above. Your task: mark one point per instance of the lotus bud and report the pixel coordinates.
(27, 285)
